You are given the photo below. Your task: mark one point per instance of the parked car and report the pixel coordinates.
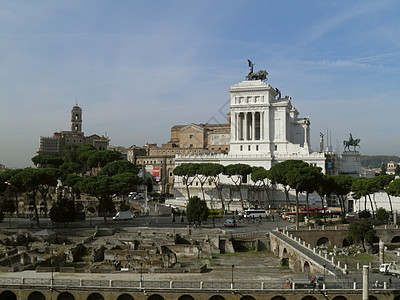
(230, 223)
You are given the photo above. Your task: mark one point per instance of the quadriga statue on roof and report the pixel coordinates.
(259, 75)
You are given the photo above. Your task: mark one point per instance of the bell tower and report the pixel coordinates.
(76, 119)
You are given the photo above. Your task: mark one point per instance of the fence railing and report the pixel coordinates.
(185, 285)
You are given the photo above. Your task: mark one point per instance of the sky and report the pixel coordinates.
(137, 68)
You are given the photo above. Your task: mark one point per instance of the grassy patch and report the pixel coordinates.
(240, 254)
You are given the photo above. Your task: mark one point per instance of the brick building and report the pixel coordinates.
(55, 144)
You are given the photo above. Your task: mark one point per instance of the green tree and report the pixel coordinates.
(8, 206)
(188, 173)
(361, 232)
(119, 167)
(297, 178)
(63, 211)
(393, 188)
(101, 158)
(364, 187)
(260, 177)
(312, 177)
(196, 210)
(102, 188)
(36, 181)
(341, 188)
(124, 184)
(72, 181)
(325, 188)
(70, 168)
(47, 161)
(383, 169)
(278, 175)
(149, 184)
(70, 153)
(382, 183)
(213, 172)
(382, 214)
(7, 185)
(397, 170)
(238, 174)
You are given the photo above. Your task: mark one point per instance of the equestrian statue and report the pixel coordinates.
(259, 75)
(351, 142)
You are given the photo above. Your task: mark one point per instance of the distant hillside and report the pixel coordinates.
(375, 161)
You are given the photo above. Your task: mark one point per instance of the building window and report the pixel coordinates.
(249, 147)
(170, 174)
(241, 148)
(191, 145)
(256, 147)
(276, 147)
(191, 136)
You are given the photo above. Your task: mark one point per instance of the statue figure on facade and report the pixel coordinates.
(279, 93)
(259, 75)
(251, 65)
(351, 142)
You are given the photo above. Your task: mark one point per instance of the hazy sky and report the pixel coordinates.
(139, 67)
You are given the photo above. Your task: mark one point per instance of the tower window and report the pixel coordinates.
(256, 147)
(276, 147)
(241, 148)
(249, 147)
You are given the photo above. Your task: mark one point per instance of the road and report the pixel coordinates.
(159, 216)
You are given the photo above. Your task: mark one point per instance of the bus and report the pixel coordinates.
(256, 213)
(216, 213)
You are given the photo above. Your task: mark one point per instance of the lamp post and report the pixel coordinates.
(232, 275)
(141, 276)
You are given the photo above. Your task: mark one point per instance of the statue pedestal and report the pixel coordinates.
(350, 163)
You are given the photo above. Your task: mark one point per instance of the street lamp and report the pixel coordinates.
(232, 275)
(141, 276)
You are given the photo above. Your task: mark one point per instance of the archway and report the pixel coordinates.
(217, 297)
(247, 298)
(186, 297)
(285, 262)
(95, 296)
(309, 298)
(306, 267)
(65, 296)
(285, 258)
(323, 241)
(36, 296)
(340, 298)
(375, 240)
(125, 297)
(80, 207)
(8, 295)
(370, 297)
(155, 297)
(91, 210)
(396, 239)
(346, 242)
(278, 298)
